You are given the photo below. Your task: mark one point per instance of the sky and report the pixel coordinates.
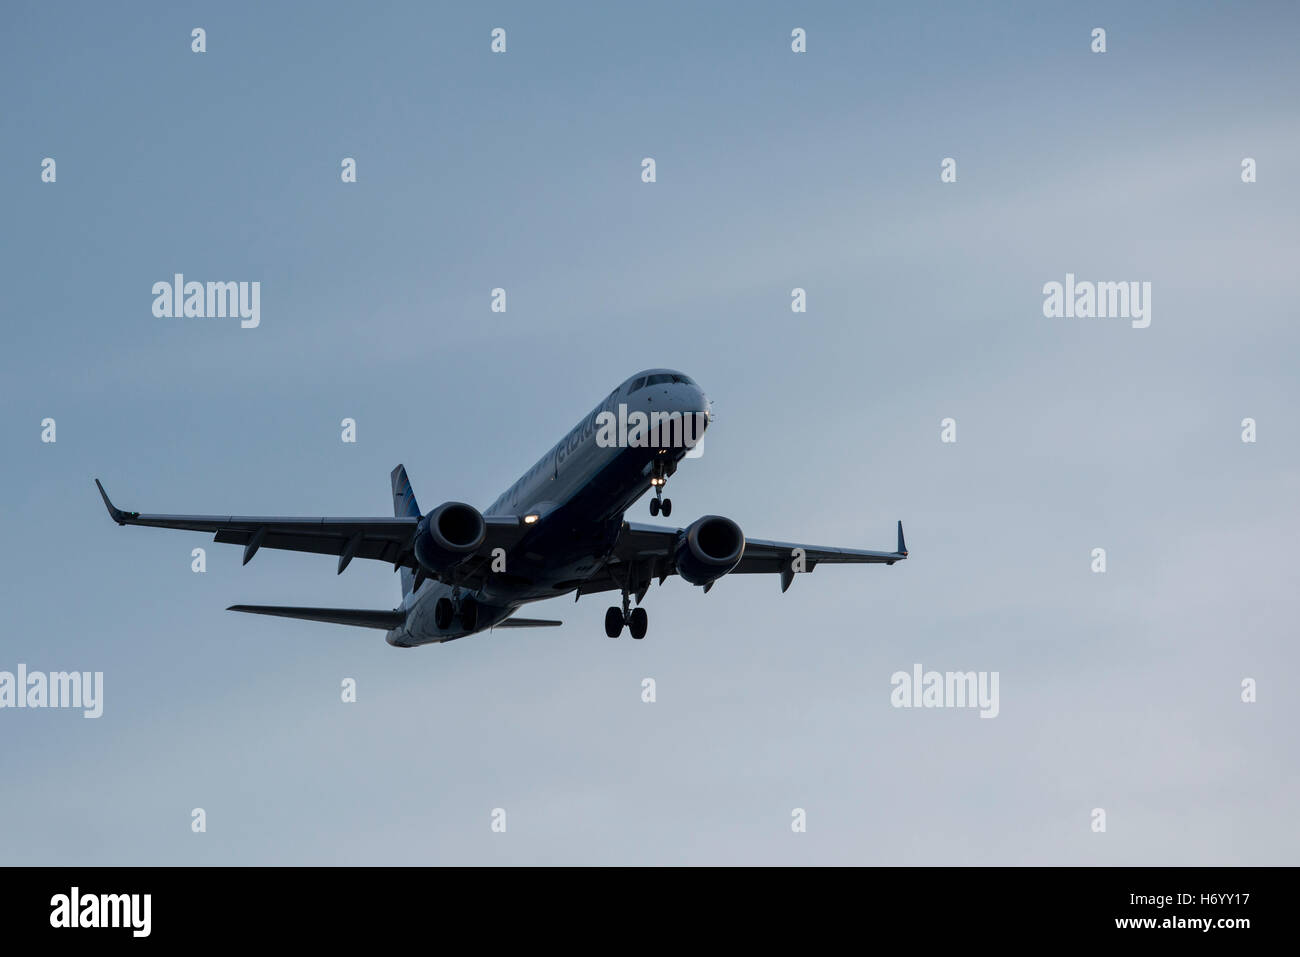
(1120, 691)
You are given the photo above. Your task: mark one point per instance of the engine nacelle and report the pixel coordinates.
(448, 535)
(710, 548)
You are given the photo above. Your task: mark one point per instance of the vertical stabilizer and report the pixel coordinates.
(404, 504)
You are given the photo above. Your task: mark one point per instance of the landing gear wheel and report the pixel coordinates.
(637, 623)
(666, 506)
(614, 621)
(469, 614)
(442, 613)
(654, 506)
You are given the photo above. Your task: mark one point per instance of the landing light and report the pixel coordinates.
(531, 519)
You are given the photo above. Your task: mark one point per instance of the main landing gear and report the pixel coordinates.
(447, 609)
(658, 479)
(637, 620)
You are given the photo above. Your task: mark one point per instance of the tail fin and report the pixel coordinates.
(404, 505)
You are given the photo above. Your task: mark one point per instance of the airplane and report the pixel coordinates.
(559, 529)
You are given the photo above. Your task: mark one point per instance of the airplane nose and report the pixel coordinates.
(681, 399)
(699, 410)
(703, 406)
(690, 400)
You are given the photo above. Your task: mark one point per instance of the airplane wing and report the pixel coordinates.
(383, 539)
(645, 552)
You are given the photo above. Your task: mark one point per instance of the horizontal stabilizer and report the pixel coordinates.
(528, 623)
(361, 617)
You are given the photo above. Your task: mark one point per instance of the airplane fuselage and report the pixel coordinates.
(578, 491)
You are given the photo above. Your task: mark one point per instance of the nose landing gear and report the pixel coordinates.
(658, 479)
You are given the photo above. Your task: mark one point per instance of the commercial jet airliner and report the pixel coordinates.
(559, 529)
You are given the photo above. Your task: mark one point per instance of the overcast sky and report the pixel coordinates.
(1119, 691)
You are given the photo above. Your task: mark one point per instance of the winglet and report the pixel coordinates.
(902, 545)
(115, 513)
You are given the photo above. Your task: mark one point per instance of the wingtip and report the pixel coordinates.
(902, 543)
(114, 512)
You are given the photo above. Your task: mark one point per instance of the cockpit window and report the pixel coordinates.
(659, 378)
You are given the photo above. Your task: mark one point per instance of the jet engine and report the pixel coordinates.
(448, 535)
(709, 548)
